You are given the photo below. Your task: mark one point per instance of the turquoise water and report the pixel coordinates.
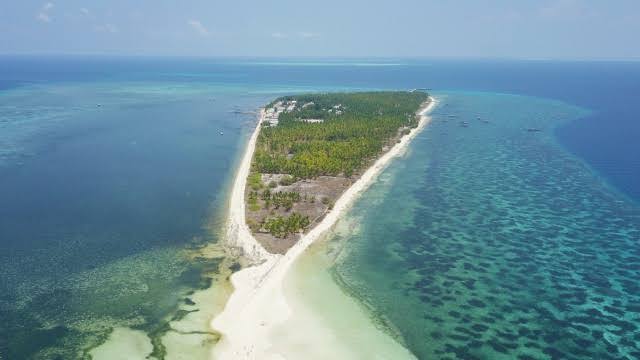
(490, 241)
(104, 210)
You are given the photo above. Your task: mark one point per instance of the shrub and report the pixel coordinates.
(253, 204)
(287, 180)
(255, 181)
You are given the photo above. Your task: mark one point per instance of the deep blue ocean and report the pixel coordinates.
(114, 170)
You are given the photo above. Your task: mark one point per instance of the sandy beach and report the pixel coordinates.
(258, 304)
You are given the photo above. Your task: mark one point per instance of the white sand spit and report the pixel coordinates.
(258, 303)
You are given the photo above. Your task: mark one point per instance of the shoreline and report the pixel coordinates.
(258, 303)
(237, 232)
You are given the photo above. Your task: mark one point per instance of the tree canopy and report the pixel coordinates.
(353, 130)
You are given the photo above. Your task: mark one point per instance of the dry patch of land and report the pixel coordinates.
(315, 198)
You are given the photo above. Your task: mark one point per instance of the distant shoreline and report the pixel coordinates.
(258, 302)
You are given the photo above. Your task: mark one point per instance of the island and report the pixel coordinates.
(308, 159)
(311, 148)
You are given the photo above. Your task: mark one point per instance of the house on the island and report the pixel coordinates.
(271, 114)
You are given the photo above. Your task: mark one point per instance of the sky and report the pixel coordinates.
(525, 29)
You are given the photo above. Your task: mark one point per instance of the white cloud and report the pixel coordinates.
(43, 15)
(106, 28)
(299, 35)
(566, 9)
(308, 35)
(279, 35)
(198, 27)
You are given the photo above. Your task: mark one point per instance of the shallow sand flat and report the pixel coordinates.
(258, 304)
(341, 328)
(190, 336)
(124, 344)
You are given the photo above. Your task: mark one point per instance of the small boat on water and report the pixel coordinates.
(533, 130)
(221, 132)
(464, 124)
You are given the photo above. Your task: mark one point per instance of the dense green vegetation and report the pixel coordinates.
(277, 199)
(283, 226)
(321, 134)
(255, 181)
(355, 128)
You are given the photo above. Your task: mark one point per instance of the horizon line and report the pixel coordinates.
(323, 57)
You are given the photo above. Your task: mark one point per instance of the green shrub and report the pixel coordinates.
(255, 181)
(253, 204)
(283, 226)
(287, 180)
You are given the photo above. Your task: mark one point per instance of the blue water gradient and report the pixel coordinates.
(501, 244)
(606, 138)
(112, 169)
